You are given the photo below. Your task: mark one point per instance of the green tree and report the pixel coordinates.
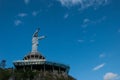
(4, 74)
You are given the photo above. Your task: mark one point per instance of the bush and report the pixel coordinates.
(4, 74)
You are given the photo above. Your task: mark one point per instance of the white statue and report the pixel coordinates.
(35, 39)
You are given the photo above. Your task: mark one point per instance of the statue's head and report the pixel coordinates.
(36, 33)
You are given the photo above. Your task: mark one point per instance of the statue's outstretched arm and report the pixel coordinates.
(41, 37)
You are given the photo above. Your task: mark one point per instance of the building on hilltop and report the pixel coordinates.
(36, 61)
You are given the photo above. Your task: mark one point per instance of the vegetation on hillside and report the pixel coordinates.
(9, 74)
(4, 74)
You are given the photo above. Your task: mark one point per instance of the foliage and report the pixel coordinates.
(4, 74)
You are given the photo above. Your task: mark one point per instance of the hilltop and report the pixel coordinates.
(12, 74)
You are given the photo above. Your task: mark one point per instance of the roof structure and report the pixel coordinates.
(34, 56)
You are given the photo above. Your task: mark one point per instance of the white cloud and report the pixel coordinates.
(26, 1)
(102, 55)
(68, 3)
(66, 16)
(99, 67)
(100, 20)
(80, 40)
(119, 30)
(111, 76)
(86, 22)
(17, 22)
(22, 14)
(83, 3)
(35, 13)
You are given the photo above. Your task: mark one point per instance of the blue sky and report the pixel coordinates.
(85, 34)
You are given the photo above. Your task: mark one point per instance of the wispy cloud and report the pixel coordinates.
(17, 22)
(119, 30)
(100, 20)
(69, 3)
(83, 3)
(102, 55)
(26, 1)
(99, 67)
(66, 16)
(86, 22)
(80, 40)
(35, 13)
(22, 14)
(92, 40)
(111, 76)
